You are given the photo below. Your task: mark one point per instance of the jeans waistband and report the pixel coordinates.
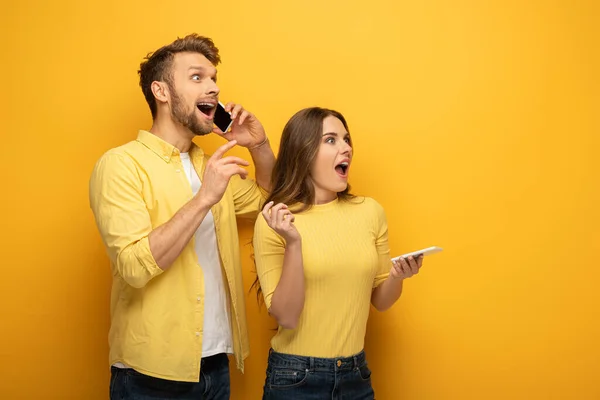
(281, 360)
(215, 361)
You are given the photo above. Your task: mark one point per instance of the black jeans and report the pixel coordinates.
(128, 384)
(292, 377)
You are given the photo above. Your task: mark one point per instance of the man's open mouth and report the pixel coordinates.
(207, 108)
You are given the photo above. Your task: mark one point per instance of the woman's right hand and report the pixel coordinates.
(281, 220)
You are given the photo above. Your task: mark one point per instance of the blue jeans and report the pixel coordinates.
(128, 384)
(308, 378)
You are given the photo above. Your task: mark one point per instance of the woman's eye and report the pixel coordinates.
(330, 140)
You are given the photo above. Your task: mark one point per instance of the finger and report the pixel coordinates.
(405, 267)
(278, 207)
(234, 169)
(237, 109)
(396, 269)
(281, 215)
(234, 160)
(420, 260)
(278, 214)
(288, 221)
(403, 263)
(245, 114)
(265, 210)
(227, 135)
(229, 106)
(274, 212)
(223, 149)
(413, 265)
(239, 171)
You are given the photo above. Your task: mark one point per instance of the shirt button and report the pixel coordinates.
(339, 363)
(199, 298)
(166, 157)
(177, 170)
(197, 333)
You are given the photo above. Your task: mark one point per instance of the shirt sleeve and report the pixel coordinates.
(120, 212)
(382, 245)
(247, 197)
(269, 250)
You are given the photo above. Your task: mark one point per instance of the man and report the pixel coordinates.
(167, 215)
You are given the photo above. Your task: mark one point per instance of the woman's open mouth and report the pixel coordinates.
(342, 169)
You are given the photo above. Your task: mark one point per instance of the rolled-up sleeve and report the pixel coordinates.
(248, 197)
(122, 218)
(269, 250)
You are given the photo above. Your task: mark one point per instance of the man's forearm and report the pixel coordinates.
(264, 161)
(168, 240)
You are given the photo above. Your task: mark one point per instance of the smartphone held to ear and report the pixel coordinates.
(222, 118)
(425, 252)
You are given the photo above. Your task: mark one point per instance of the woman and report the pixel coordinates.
(322, 257)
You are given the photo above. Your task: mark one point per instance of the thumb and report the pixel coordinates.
(227, 135)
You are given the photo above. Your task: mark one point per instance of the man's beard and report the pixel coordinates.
(189, 120)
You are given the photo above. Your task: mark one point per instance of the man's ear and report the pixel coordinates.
(160, 90)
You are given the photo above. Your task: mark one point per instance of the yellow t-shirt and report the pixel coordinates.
(345, 256)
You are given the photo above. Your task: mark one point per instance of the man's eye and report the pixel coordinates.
(196, 77)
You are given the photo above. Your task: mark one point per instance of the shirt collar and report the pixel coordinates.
(164, 150)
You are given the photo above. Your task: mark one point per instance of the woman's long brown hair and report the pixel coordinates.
(291, 183)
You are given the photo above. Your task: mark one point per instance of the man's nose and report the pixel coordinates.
(213, 88)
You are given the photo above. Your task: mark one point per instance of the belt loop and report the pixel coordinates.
(355, 362)
(311, 363)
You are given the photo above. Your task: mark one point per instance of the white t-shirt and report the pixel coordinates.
(217, 326)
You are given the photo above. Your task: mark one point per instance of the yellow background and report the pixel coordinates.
(475, 124)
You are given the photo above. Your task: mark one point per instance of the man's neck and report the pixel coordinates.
(173, 133)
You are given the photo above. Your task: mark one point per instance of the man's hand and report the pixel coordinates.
(246, 129)
(217, 173)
